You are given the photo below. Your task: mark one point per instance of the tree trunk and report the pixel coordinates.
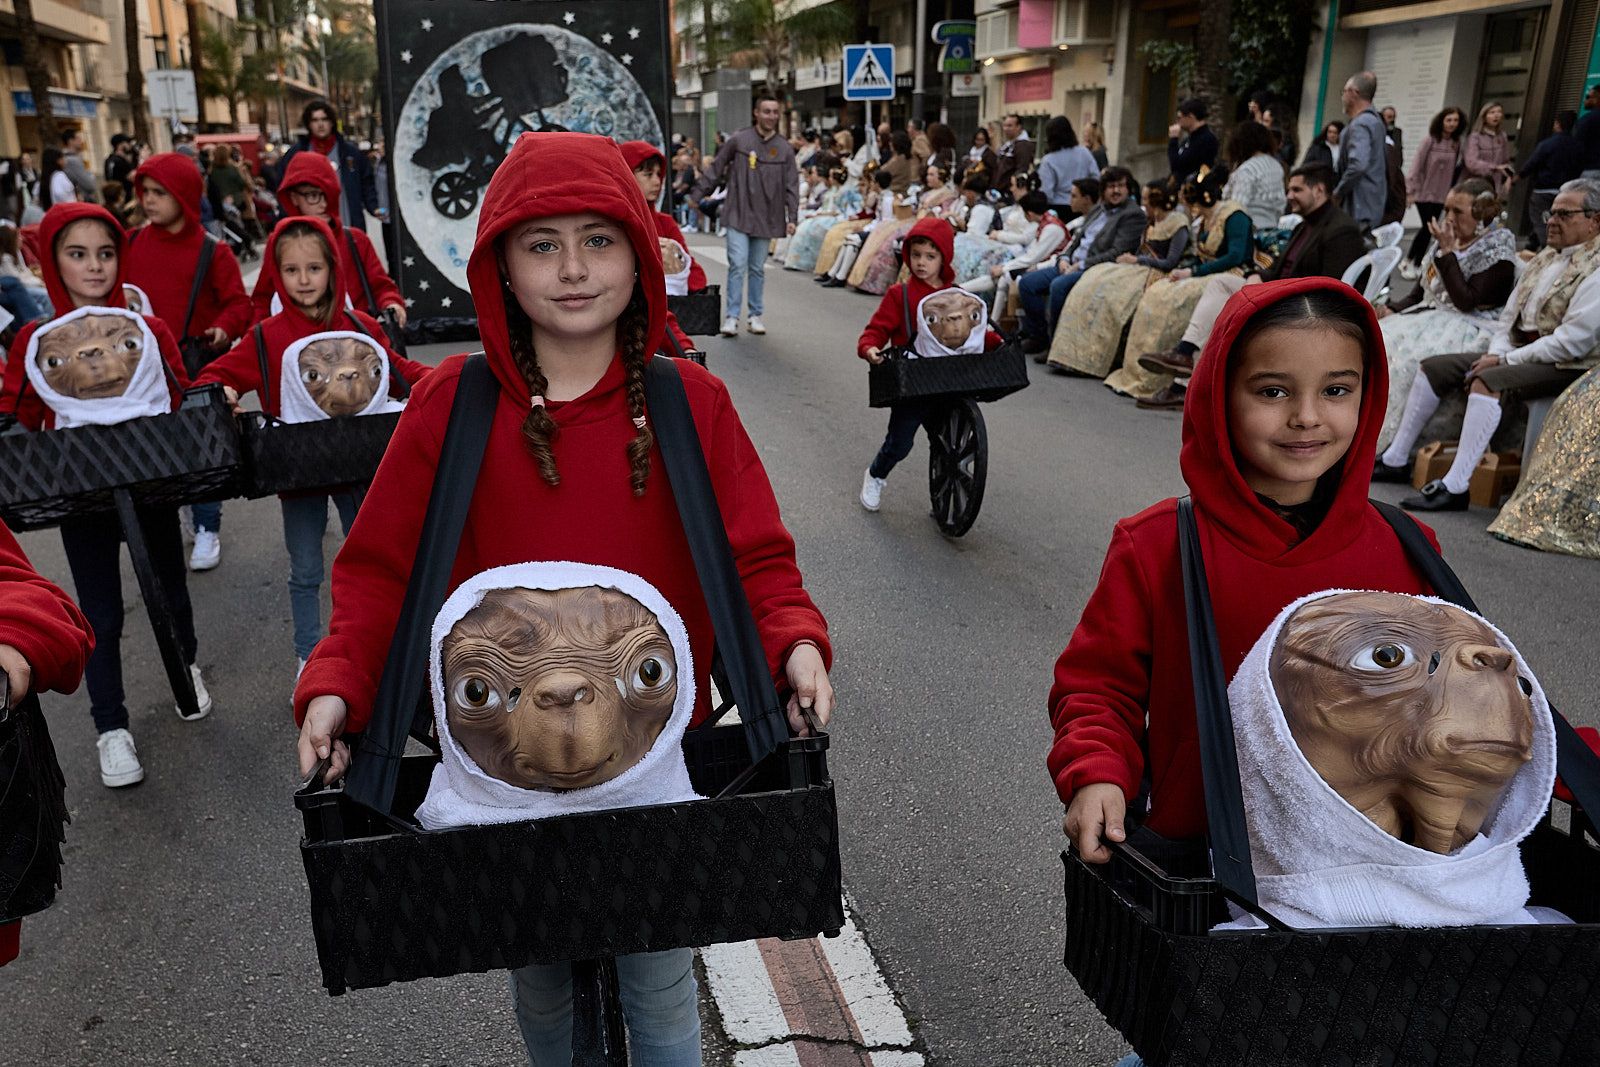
(38, 74)
(1210, 81)
(136, 100)
(708, 18)
(196, 62)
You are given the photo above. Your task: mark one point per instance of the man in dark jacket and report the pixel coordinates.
(1324, 245)
(1190, 142)
(1587, 133)
(1555, 161)
(1113, 226)
(1015, 154)
(359, 191)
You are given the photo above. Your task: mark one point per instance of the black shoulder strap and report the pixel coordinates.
(738, 643)
(265, 391)
(202, 268)
(672, 339)
(905, 312)
(398, 386)
(1577, 763)
(396, 709)
(355, 265)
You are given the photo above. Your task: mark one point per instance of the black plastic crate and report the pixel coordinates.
(1138, 942)
(980, 376)
(287, 457)
(185, 457)
(391, 902)
(698, 313)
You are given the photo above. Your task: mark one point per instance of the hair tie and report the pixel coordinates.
(638, 422)
(536, 401)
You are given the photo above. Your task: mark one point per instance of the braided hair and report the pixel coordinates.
(539, 429)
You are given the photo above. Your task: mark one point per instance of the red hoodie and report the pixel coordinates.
(162, 264)
(636, 152)
(41, 622)
(1129, 656)
(29, 409)
(309, 168)
(240, 368)
(889, 326)
(592, 516)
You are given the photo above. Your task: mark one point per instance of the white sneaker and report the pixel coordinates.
(202, 698)
(207, 550)
(119, 760)
(755, 325)
(730, 326)
(872, 491)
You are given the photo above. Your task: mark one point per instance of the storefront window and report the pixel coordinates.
(1509, 40)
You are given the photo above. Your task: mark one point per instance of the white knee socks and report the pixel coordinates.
(1421, 403)
(1483, 416)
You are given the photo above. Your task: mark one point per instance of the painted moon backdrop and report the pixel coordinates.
(464, 78)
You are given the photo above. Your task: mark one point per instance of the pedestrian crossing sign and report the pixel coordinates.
(869, 72)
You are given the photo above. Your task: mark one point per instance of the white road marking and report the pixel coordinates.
(873, 1005)
(751, 1014)
(783, 1055)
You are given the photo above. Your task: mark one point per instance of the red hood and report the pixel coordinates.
(179, 176)
(1207, 459)
(549, 174)
(59, 218)
(636, 152)
(310, 168)
(944, 239)
(269, 269)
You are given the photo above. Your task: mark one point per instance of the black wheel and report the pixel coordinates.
(599, 1034)
(156, 606)
(454, 194)
(958, 463)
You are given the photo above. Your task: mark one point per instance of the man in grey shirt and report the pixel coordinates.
(1363, 164)
(763, 203)
(72, 163)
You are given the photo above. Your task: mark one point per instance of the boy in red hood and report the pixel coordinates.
(44, 643)
(1279, 432)
(928, 252)
(83, 253)
(310, 187)
(566, 280)
(163, 260)
(649, 164)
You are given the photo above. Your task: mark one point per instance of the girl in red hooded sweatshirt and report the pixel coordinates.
(1279, 433)
(568, 289)
(82, 255)
(164, 260)
(928, 252)
(44, 643)
(310, 187)
(304, 271)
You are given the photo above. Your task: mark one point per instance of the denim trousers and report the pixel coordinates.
(746, 256)
(208, 516)
(305, 520)
(1037, 287)
(93, 547)
(658, 1001)
(904, 421)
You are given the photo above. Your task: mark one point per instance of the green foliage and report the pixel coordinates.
(1177, 56)
(774, 33)
(1267, 42)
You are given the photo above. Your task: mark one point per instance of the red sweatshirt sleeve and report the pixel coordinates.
(383, 288)
(178, 381)
(885, 323)
(992, 341)
(684, 343)
(1102, 681)
(763, 548)
(29, 411)
(239, 368)
(227, 292)
(261, 299)
(38, 619)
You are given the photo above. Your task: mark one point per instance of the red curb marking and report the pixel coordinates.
(809, 994)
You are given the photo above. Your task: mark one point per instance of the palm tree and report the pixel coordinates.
(776, 34)
(38, 76)
(136, 101)
(225, 66)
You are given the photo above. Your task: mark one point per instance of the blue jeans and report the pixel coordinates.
(746, 255)
(904, 421)
(1130, 1060)
(658, 1001)
(17, 299)
(208, 516)
(305, 520)
(1032, 288)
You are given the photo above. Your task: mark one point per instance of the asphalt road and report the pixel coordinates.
(182, 935)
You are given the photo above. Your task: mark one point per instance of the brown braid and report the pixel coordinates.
(538, 429)
(633, 326)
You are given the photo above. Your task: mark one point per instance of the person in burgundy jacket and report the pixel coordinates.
(93, 544)
(566, 279)
(45, 641)
(310, 187)
(1279, 433)
(163, 257)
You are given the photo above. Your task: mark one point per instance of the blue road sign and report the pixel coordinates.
(869, 72)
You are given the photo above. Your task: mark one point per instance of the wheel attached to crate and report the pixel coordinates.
(958, 464)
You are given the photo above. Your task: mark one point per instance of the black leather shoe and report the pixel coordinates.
(1168, 399)
(1435, 497)
(1382, 472)
(1035, 346)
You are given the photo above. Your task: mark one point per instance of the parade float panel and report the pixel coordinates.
(462, 79)
(1188, 961)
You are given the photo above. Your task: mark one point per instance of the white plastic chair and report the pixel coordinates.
(1380, 263)
(1289, 221)
(1388, 236)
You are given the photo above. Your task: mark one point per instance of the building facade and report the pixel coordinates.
(71, 33)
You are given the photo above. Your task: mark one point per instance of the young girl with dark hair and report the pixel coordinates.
(566, 280)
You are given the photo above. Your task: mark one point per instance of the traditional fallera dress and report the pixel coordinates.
(977, 252)
(1556, 507)
(879, 264)
(808, 236)
(1098, 308)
